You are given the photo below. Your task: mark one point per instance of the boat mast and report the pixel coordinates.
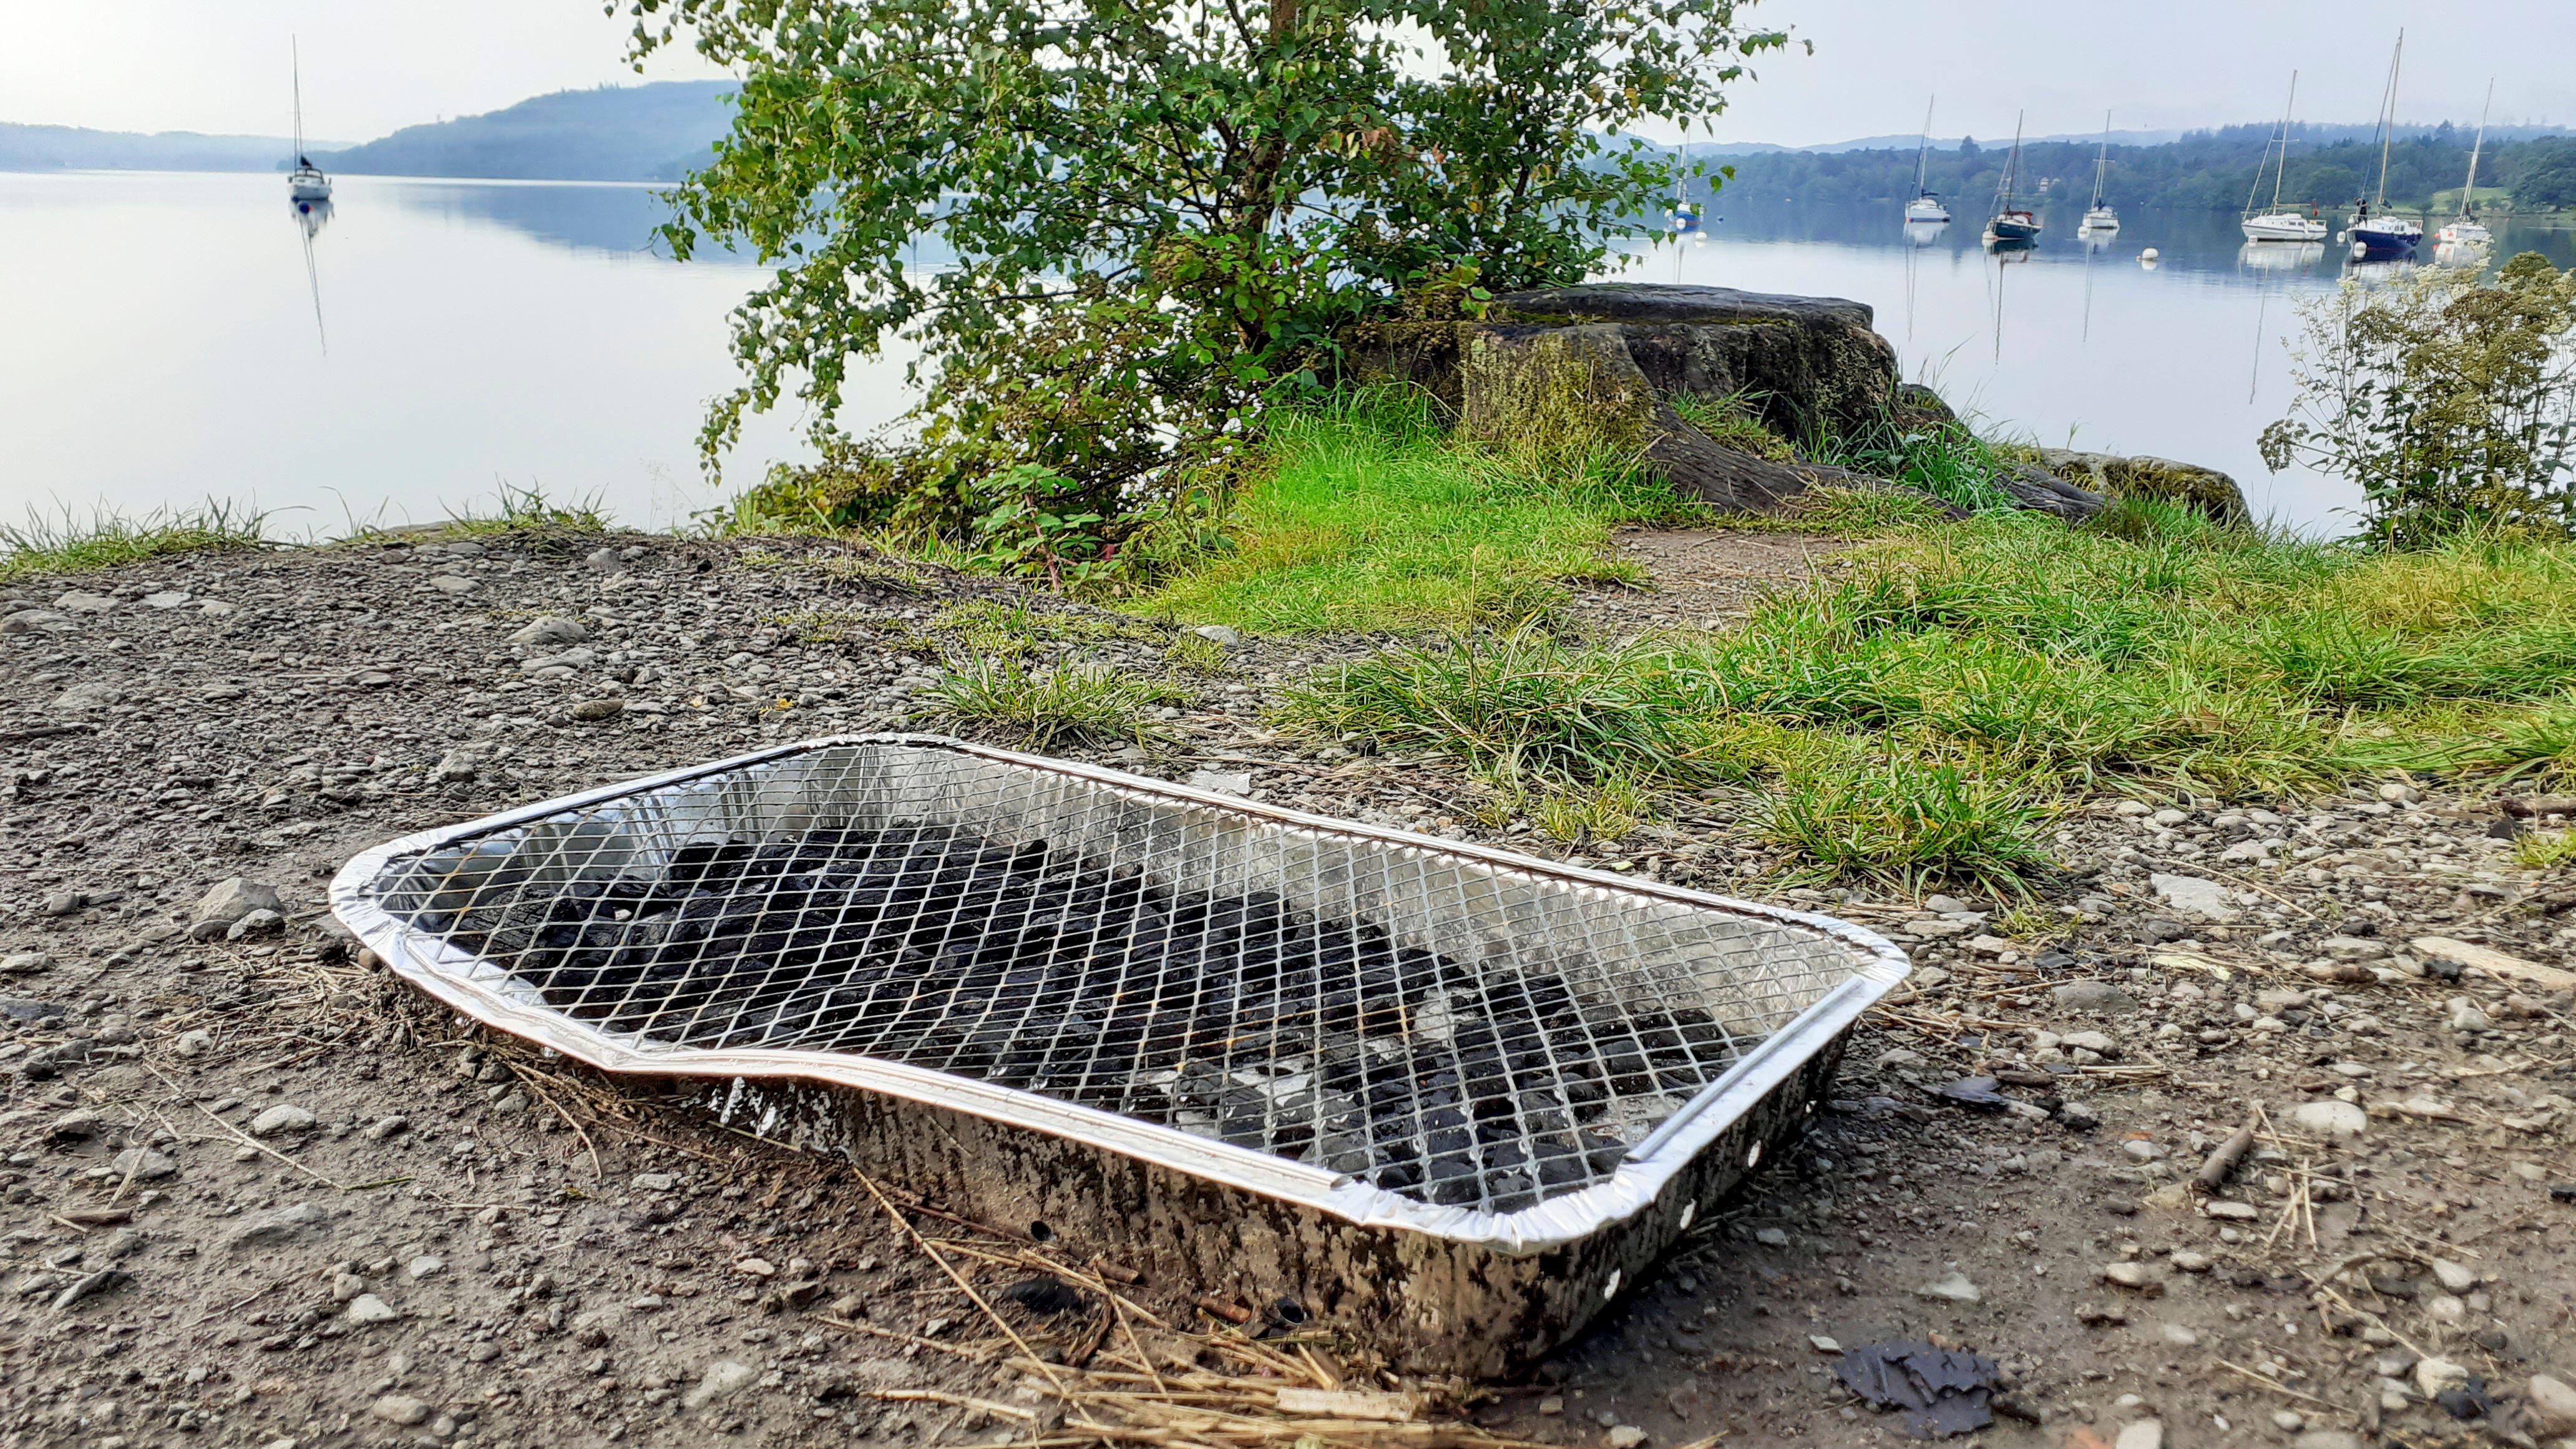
(2283, 173)
(2469, 193)
(2388, 123)
(2102, 162)
(1923, 156)
(2012, 168)
(295, 60)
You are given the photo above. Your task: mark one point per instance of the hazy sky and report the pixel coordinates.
(373, 65)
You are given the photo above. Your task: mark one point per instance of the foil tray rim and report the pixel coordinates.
(450, 975)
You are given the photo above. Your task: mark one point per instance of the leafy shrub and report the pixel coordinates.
(2450, 402)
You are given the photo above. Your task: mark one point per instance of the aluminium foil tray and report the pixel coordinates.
(1443, 1097)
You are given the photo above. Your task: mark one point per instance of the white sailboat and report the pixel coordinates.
(2280, 223)
(1925, 208)
(2375, 234)
(306, 183)
(2466, 233)
(2100, 217)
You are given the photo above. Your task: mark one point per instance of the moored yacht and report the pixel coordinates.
(2374, 232)
(2279, 223)
(1925, 208)
(2099, 217)
(305, 183)
(2012, 225)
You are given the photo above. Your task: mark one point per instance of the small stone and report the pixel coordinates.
(2144, 1434)
(2398, 794)
(2186, 1261)
(603, 560)
(2551, 1403)
(78, 602)
(281, 1226)
(550, 629)
(723, 1377)
(757, 1267)
(2465, 1016)
(1222, 782)
(368, 1308)
(26, 963)
(400, 1409)
(2099, 996)
(384, 1127)
(656, 1181)
(1947, 906)
(2453, 1277)
(451, 584)
(195, 1042)
(1625, 1436)
(1953, 1289)
(2353, 948)
(425, 1266)
(595, 710)
(142, 1164)
(345, 1286)
(61, 903)
(255, 923)
(2331, 1117)
(282, 1119)
(2090, 1041)
(1771, 1237)
(1821, 1344)
(2289, 1421)
(166, 599)
(2434, 1375)
(232, 899)
(2179, 1335)
(2078, 1116)
(2133, 1276)
(1218, 634)
(2192, 896)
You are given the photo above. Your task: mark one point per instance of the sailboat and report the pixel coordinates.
(2012, 226)
(1925, 208)
(2099, 217)
(306, 183)
(2372, 232)
(2466, 233)
(1685, 212)
(2279, 224)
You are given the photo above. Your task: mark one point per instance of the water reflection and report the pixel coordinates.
(311, 215)
(2271, 256)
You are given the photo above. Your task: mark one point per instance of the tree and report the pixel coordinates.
(2547, 180)
(1162, 216)
(2330, 185)
(2450, 402)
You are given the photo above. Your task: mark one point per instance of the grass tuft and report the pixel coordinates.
(1899, 822)
(44, 546)
(1044, 707)
(2546, 850)
(528, 510)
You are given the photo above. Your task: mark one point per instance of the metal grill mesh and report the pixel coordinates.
(1447, 1028)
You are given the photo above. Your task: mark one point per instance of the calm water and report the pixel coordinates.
(166, 343)
(2073, 344)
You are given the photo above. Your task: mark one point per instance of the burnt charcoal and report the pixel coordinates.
(1239, 1019)
(1046, 1295)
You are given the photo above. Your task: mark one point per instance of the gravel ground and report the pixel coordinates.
(258, 1193)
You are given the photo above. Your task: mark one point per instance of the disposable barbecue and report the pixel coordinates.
(1446, 1097)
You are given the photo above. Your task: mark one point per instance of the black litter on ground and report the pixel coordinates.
(1935, 1392)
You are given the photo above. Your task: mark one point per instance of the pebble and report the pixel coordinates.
(384, 1127)
(2331, 1117)
(1222, 782)
(425, 1266)
(2134, 1276)
(2551, 1404)
(400, 1409)
(234, 898)
(2327, 1439)
(2092, 996)
(656, 1181)
(2144, 1434)
(26, 963)
(451, 584)
(595, 710)
(283, 1225)
(723, 1377)
(1218, 634)
(142, 1164)
(2186, 1261)
(285, 1117)
(2179, 1335)
(1953, 1289)
(255, 923)
(550, 629)
(1772, 1237)
(2433, 1375)
(1625, 1436)
(2193, 896)
(195, 1042)
(368, 1308)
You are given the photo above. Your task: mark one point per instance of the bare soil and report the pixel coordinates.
(467, 1242)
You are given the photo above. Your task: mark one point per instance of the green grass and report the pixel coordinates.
(1368, 519)
(1922, 716)
(45, 546)
(1044, 707)
(528, 510)
(2546, 850)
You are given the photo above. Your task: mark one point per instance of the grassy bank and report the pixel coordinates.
(1367, 518)
(1924, 714)
(46, 546)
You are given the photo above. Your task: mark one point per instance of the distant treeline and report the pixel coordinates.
(2207, 170)
(656, 132)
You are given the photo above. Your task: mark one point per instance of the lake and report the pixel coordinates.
(170, 339)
